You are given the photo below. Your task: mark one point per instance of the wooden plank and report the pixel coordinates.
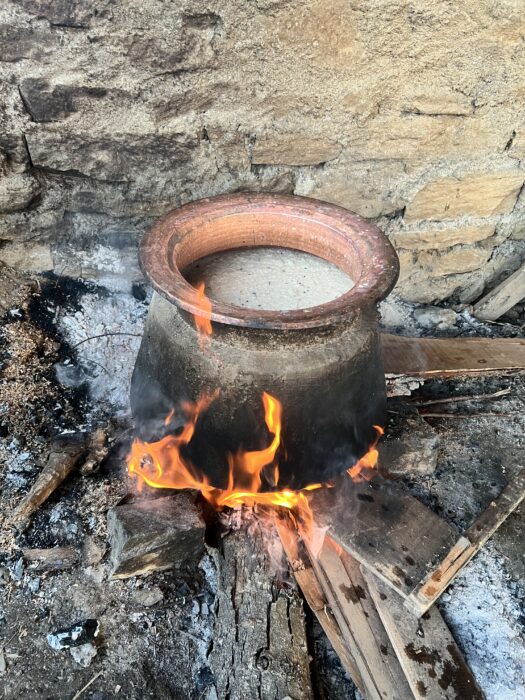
(400, 540)
(451, 357)
(362, 594)
(384, 528)
(430, 658)
(468, 545)
(502, 298)
(331, 581)
(316, 599)
(358, 607)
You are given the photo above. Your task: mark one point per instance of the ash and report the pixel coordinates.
(157, 631)
(105, 331)
(484, 609)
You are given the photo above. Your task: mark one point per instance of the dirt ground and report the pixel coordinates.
(160, 649)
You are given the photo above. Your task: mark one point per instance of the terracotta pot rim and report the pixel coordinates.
(246, 219)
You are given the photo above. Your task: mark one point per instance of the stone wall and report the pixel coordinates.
(407, 112)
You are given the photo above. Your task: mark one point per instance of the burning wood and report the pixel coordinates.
(260, 647)
(385, 528)
(400, 540)
(388, 653)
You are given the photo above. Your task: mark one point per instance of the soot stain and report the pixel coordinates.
(353, 594)
(422, 655)
(421, 689)
(365, 497)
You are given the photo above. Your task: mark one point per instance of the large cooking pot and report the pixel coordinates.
(322, 363)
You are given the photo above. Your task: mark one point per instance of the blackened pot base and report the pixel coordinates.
(330, 382)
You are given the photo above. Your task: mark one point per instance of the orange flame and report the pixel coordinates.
(203, 318)
(362, 470)
(161, 465)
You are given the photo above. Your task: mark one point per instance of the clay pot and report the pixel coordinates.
(323, 363)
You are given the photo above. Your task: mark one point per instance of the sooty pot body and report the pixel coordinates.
(329, 380)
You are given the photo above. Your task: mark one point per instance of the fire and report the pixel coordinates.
(362, 470)
(161, 465)
(203, 319)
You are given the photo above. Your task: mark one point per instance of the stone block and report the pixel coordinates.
(439, 238)
(122, 157)
(47, 103)
(294, 149)
(29, 258)
(17, 192)
(368, 190)
(454, 260)
(155, 534)
(433, 317)
(76, 14)
(482, 194)
(417, 138)
(442, 103)
(18, 43)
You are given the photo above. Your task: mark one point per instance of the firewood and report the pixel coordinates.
(436, 581)
(502, 298)
(382, 676)
(52, 559)
(155, 534)
(64, 454)
(259, 648)
(426, 358)
(314, 596)
(97, 451)
(431, 660)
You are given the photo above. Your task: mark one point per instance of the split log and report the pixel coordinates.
(155, 534)
(315, 598)
(52, 559)
(427, 358)
(259, 649)
(64, 454)
(431, 660)
(502, 298)
(468, 545)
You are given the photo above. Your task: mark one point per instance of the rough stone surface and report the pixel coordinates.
(294, 150)
(17, 192)
(439, 238)
(482, 194)
(413, 452)
(114, 112)
(33, 258)
(154, 535)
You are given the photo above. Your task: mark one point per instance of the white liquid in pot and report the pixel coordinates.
(270, 279)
